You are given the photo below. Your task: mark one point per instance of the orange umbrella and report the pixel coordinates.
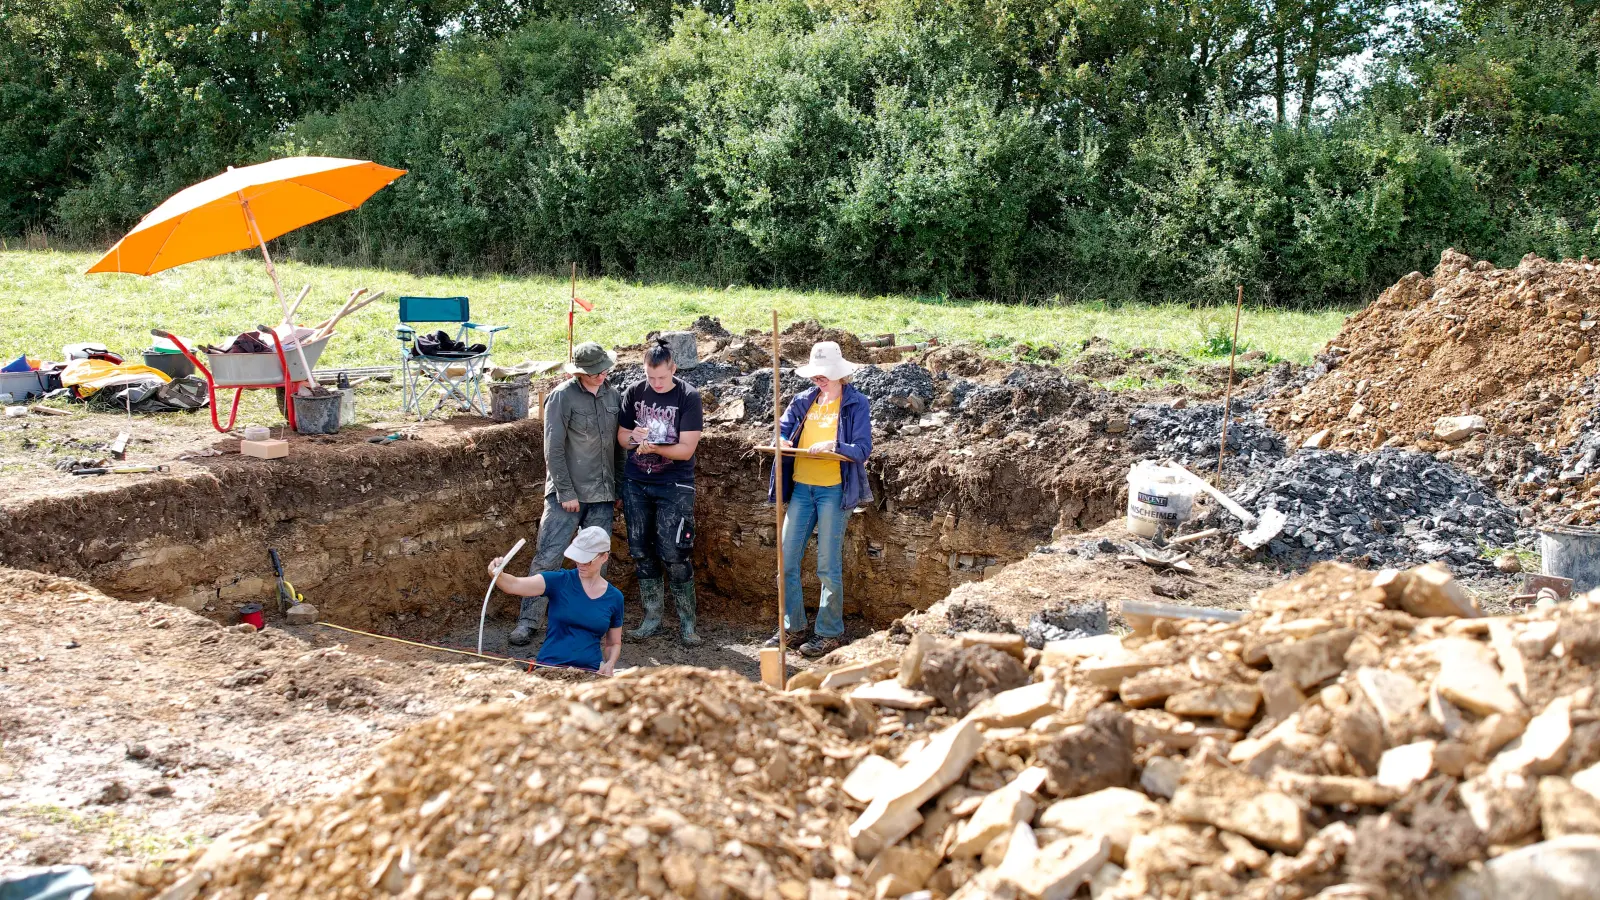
(244, 208)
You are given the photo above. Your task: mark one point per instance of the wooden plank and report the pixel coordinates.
(772, 667)
(1141, 615)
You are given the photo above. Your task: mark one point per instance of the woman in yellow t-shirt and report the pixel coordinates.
(832, 418)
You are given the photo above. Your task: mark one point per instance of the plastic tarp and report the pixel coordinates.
(54, 883)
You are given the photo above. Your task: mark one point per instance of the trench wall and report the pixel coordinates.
(407, 530)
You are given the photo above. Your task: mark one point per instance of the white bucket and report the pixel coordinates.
(1157, 496)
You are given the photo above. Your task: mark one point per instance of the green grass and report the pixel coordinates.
(46, 301)
(123, 836)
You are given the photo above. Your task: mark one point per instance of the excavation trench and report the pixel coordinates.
(395, 539)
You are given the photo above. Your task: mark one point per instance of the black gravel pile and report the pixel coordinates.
(1028, 396)
(1192, 435)
(1394, 507)
(1064, 620)
(756, 390)
(899, 393)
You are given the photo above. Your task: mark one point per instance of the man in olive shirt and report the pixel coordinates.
(583, 466)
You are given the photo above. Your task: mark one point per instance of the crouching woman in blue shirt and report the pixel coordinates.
(585, 612)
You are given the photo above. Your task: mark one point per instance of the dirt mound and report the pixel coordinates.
(795, 342)
(686, 779)
(1510, 345)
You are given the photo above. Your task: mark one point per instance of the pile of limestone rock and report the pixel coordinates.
(1357, 734)
(1366, 734)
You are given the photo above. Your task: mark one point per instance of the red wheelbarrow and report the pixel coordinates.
(253, 371)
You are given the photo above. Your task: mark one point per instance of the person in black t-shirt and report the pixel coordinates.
(660, 426)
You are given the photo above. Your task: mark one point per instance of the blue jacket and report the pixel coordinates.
(855, 441)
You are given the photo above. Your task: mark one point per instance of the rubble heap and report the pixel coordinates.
(1509, 346)
(1392, 507)
(1370, 730)
(1362, 729)
(670, 782)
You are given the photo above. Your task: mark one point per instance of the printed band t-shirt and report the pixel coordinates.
(577, 622)
(666, 416)
(822, 424)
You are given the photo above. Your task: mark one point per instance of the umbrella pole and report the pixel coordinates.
(276, 289)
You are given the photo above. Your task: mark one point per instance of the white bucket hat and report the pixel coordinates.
(827, 360)
(589, 543)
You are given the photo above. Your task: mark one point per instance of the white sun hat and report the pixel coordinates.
(828, 361)
(589, 543)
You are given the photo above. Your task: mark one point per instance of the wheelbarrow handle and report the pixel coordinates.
(161, 334)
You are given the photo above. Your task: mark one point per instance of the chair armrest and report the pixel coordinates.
(405, 332)
(489, 328)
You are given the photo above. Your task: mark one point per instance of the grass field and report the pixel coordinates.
(46, 301)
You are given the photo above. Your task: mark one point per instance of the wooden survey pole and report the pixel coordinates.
(776, 673)
(572, 309)
(1227, 394)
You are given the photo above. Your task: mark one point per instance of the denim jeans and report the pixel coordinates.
(820, 509)
(557, 528)
(660, 519)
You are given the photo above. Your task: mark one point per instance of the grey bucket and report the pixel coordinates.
(508, 401)
(1572, 551)
(317, 415)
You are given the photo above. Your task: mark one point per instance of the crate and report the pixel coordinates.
(22, 385)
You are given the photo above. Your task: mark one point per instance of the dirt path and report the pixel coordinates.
(131, 730)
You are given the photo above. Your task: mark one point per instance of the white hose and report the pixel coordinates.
(506, 561)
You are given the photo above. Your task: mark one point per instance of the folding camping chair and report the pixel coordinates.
(452, 376)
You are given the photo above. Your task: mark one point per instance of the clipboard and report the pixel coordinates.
(795, 451)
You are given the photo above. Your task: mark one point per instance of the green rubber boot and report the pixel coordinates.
(652, 593)
(683, 596)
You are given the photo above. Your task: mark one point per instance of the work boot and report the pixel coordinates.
(530, 618)
(652, 593)
(683, 596)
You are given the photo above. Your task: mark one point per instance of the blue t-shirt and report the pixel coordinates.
(576, 623)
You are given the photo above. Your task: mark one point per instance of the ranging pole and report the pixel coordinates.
(572, 304)
(1227, 395)
(777, 484)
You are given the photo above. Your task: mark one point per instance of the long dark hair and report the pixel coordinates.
(659, 354)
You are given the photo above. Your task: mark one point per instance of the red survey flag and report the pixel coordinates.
(583, 304)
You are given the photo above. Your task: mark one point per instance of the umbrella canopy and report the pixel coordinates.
(215, 216)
